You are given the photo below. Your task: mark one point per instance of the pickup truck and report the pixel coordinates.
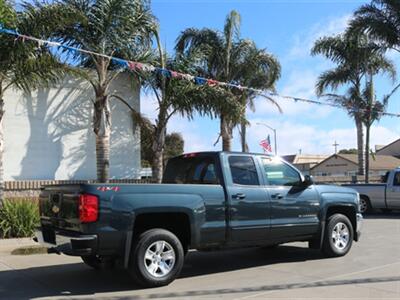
(207, 201)
(384, 196)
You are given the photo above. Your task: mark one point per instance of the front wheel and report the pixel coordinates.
(338, 236)
(156, 258)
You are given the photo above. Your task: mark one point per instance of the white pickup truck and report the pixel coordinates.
(385, 196)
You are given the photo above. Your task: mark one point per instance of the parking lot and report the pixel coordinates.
(371, 270)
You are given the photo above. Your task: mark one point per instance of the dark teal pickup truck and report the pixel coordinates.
(207, 201)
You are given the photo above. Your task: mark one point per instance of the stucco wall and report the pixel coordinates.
(48, 133)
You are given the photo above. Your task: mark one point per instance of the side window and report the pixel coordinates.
(191, 170)
(243, 170)
(396, 180)
(279, 173)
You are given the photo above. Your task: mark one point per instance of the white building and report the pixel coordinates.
(49, 136)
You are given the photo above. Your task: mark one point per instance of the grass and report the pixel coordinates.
(29, 250)
(18, 217)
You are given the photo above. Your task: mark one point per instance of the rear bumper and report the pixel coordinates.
(359, 226)
(69, 244)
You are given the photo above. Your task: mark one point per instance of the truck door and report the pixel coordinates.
(294, 206)
(249, 206)
(393, 191)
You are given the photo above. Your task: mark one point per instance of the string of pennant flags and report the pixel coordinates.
(138, 66)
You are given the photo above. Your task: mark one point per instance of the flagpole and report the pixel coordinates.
(274, 130)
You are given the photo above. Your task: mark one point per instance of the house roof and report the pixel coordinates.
(304, 158)
(387, 146)
(377, 162)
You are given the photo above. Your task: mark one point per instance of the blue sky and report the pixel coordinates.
(287, 29)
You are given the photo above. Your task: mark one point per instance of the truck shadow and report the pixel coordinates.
(78, 279)
(203, 263)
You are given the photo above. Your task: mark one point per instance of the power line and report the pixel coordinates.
(138, 66)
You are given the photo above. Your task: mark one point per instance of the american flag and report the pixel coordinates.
(266, 144)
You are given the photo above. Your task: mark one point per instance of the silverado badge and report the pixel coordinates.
(55, 209)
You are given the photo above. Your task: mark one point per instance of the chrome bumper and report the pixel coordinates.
(359, 226)
(67, 244)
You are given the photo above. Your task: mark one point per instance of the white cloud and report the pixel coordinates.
(304, 41)
(299, 84)
(292, 136)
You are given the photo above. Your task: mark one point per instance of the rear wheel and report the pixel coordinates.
(157, 258)
(338, 236)
(365, 205)
(99, 262)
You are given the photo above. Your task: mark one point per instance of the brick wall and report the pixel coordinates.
(31, 188)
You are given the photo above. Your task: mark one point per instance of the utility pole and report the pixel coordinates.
(335, 145)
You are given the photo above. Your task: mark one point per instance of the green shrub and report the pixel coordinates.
(18, 218)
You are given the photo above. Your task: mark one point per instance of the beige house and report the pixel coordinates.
(347, 165)
(304, 162)
(392, 149)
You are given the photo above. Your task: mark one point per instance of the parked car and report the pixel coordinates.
(385, 196)
(209, 200)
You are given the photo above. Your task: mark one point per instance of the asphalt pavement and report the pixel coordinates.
(292, 271)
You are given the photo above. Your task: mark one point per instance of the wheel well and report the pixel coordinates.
(348, 211)
(177, 223)
(365, 197)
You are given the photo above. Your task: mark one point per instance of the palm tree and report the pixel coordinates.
(23, 65)
(381, 20)
(176, 96)
(222, 55)
(255, 68)
(372, 112)
(355, 57)
(121, 28)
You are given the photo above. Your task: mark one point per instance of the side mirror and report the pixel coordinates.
(308, 180)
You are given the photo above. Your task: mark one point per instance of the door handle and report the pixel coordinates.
(239, 196)
(277, 196)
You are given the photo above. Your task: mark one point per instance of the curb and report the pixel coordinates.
(16, 242)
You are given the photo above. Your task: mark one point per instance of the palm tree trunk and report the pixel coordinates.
(367, 133)
(226, 134)
(102, 129)
(1, 149)
(360, 145)
(243, 129)
(157, 165)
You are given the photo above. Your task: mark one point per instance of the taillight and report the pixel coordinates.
(88, 208)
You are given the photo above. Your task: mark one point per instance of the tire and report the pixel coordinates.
(338, 237)
(98, 262)
(270, 247)
(149, 263)
(365, 205)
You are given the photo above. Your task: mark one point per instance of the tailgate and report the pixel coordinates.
(59, 207)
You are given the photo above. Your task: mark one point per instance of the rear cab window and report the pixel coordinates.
(191, 169)
(243, 170)
(396, 179)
